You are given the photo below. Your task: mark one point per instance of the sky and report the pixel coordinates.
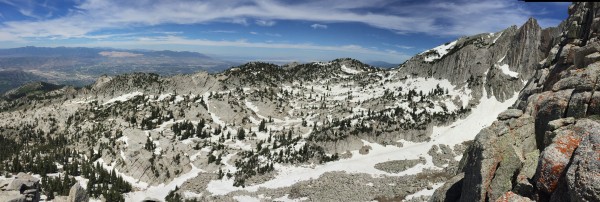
(269, 30)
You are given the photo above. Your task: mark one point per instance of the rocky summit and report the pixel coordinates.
(505, 116)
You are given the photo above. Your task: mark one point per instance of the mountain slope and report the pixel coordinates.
(12, 79)
(30, 90)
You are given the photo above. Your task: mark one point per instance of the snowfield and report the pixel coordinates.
(462, 130)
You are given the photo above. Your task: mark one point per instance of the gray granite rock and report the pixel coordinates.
(509, 114)
(583, 174)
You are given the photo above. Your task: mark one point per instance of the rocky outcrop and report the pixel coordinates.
(22, 187)
(547, 147)
(496, 157)
(77, 194)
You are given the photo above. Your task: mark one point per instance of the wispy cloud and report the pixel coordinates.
(318, 26)
(398, 46)
(434, 17)
(221, 31)
(265, 23)
(254, 33)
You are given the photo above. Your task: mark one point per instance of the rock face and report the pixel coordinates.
(23, 187)
(548, 147)
(470, 60)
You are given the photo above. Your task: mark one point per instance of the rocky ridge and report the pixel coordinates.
(489, 57)
(548, 147)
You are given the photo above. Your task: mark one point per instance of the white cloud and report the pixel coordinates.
(456, 18)
(404, 47)
(254, 33)
(265, 23)
(318, 26)
(398, 46)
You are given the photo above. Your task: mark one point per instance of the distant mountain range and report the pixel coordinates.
(81, 66)
(100, 53)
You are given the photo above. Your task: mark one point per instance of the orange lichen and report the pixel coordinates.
(552, 169)
(568, 144)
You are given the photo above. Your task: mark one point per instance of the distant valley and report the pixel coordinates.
(82, 66)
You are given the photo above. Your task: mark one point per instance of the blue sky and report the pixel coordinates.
(270, 30)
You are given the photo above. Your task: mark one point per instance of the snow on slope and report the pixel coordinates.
(439, 51)
(466, 129)
(499, 35)
(505, 69)
(462, 130)
(350, 71)
(123, 97)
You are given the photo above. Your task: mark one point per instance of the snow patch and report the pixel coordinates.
(123, 97)
(438, 52)
(499, 35)
(507, 71)
(350, 71)
(252, 107)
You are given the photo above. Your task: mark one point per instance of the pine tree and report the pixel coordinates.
(241, 134)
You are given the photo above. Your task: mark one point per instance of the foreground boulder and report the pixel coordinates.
(23, 187)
